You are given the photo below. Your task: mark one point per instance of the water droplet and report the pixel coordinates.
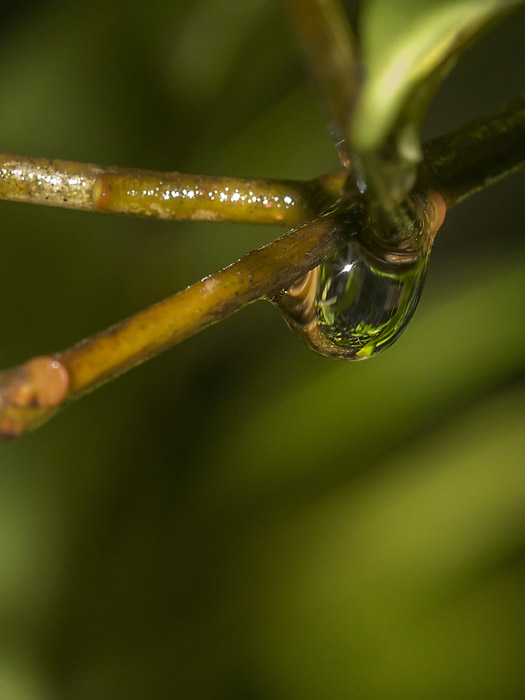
(359, 301)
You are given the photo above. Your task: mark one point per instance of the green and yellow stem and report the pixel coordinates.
(33, 392)
(476, 155)
(455, 167)
(173, 195)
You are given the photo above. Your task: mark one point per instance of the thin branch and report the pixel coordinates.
(456, 166)
(32, 393)
(330, 54)
(462, 163)
(173, 195)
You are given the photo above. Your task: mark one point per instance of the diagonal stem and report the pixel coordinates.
(32, 393)
(476, 155)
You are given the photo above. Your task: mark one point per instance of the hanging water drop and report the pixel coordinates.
(359, 301)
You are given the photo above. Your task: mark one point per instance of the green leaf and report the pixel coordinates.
(408, 48)
(403, 44)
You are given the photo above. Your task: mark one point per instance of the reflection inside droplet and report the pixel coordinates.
(362, 303)
(359, 300)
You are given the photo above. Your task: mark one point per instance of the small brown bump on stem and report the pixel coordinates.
(29, 392)
(49, 380)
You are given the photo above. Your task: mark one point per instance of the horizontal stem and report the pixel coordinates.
(172, 195)
(457, 165)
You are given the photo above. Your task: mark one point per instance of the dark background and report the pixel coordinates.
(240, 518)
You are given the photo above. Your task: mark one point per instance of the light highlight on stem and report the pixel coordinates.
(170, 195)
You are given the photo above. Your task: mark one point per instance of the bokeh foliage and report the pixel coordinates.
(241, 518)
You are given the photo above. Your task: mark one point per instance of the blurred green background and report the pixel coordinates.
(240, 518)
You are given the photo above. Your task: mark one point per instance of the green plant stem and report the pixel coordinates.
(468, 160)
(329, 49)
(172, 195)
(104, 356)
(256, 275)
(455, 166)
